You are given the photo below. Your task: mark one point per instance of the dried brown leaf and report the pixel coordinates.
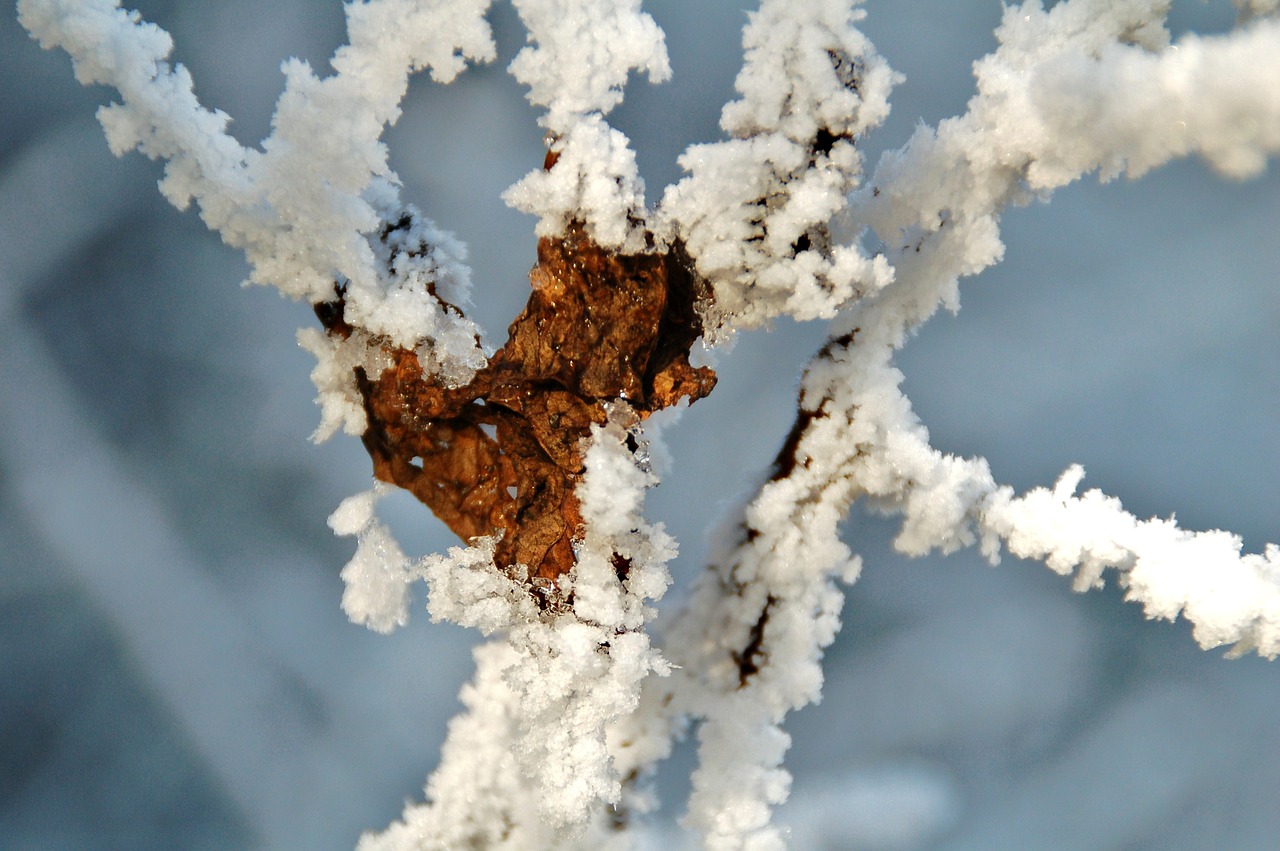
(502, 456)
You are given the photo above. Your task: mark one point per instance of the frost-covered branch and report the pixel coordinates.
(555, 681)
(1038, 123)
(537, 455)
(303, 206)
(1228, 598)
(297, 206)
(1054, 102)
(580, 54)
(755, 209)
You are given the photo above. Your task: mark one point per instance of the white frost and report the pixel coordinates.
(1087, 85)
(303, 207)
(594, 180)
(755, 209)
(377, 577)
(547, 692)
(467, 588)
(1229, 598)
(579, 55)
(296, 206)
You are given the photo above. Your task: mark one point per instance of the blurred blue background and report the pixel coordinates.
(175, 671)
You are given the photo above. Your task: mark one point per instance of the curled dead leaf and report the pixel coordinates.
(502, 455)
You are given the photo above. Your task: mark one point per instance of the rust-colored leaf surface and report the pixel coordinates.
(502, 455)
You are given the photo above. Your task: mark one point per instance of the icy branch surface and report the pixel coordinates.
(1229, 598)
(1086, 86)
(755, 208)
(548, 691)
(581, 52)
(479, 797)
(939, 200)
(575, 66)
(304, 206)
